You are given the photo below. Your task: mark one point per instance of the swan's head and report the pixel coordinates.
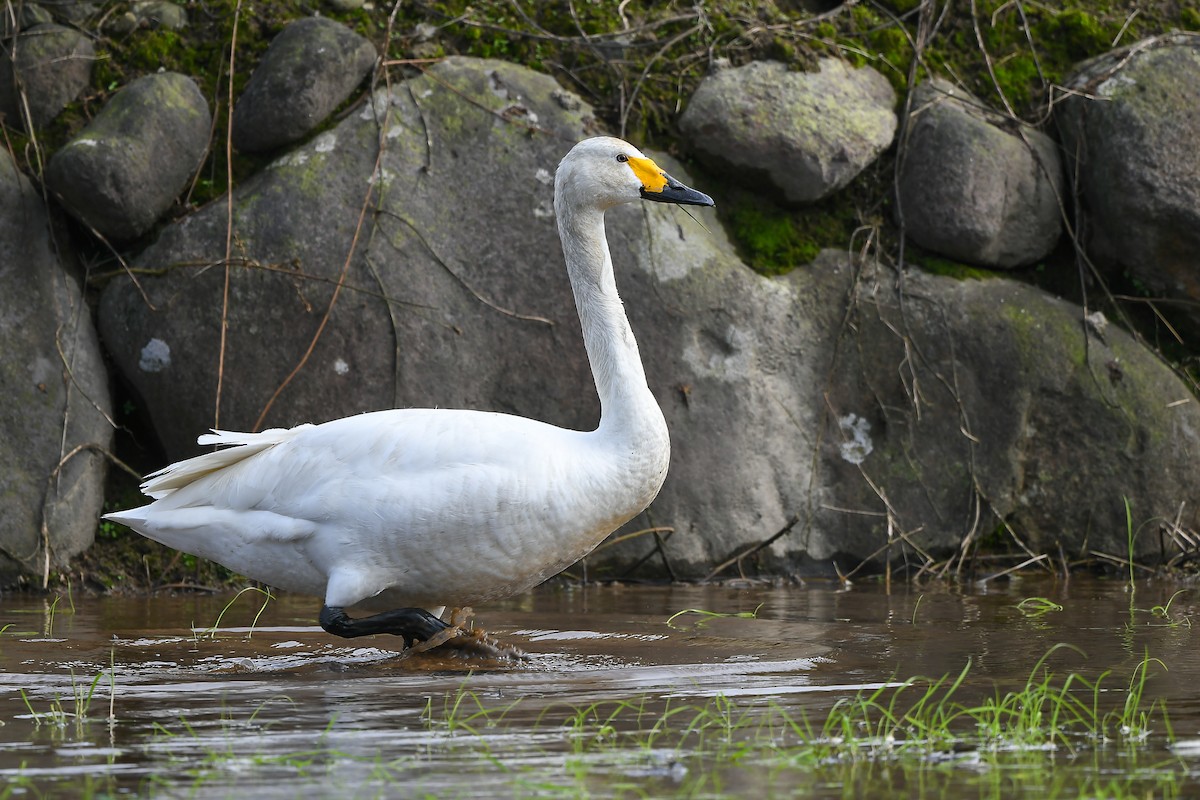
(605, 171)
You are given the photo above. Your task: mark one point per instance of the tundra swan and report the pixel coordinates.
(413, 509)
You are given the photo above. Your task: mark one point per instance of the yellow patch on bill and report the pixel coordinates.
(649, 173)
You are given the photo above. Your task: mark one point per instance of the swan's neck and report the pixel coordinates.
(627, 406)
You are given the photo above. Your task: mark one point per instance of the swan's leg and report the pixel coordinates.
(411, 623)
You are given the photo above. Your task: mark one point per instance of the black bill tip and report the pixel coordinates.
(676, 192)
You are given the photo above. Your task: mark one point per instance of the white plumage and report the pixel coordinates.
(424, 507)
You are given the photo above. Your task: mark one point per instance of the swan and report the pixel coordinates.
(416, 509)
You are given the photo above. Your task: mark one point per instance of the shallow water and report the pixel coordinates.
(612, 701)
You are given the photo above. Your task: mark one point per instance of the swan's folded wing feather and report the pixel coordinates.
(241, 446)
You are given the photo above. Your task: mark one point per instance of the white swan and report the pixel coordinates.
(421, 508)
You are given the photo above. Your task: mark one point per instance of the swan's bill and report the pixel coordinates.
(660, 187)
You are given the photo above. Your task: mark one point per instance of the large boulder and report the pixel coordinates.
(45, 67)
(844, 413)
(309, 69)
(56, 396)
(780, 407)
(806, 133)
(1129, 130)
(974, 187)
(957, 408)
(125, 169)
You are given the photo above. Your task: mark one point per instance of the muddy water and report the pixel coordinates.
(147, 697)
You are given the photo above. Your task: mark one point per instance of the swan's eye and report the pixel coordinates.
(622, 158)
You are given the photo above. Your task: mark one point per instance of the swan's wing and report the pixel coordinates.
(348, 473)
(241, 446)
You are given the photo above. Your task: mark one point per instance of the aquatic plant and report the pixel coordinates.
(1133, 720)
(52, 609)
(1037, 606)
(1129, 537)
(918, 717)
(712, 615)
(462, 712)
(916, 606)
(943, 732)
(1162, 612)
(73, 711)
(211, 631)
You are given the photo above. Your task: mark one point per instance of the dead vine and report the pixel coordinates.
(237, 14)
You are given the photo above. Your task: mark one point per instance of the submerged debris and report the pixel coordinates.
(462, 640)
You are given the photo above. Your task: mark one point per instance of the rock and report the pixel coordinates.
(27, 15)
(975, 188)
(806, 133)
(160, 14)
(120, 24)
(52, 67)
(55, 390)
(345, 5)
(1134, 152)
(308, 71)
(956, 407)
(76, 12)
(124, 170)
(455, 296)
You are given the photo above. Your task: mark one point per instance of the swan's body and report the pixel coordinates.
(423, 507)
(433, 506)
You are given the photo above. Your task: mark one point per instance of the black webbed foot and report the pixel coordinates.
(411, 623)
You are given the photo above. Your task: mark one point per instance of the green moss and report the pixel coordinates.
(1042, 328)
(997, 540)
(1077, 34)
(877, 40)
(781, 49)
(952, 269)
(151, 48)
(771, 240)
(1024, 327)
(1018, 79)
(894, 49)
(774, 240)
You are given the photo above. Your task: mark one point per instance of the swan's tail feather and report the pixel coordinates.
(131, 518)
(240, 446)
